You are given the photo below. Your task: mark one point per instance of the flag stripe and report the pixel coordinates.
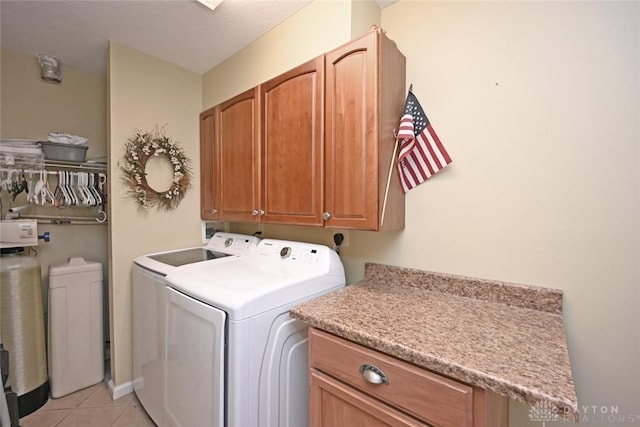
(417, 171)
(422, 151)
(432, 156)
(442, 152)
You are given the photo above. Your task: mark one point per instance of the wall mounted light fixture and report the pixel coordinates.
(49, 68)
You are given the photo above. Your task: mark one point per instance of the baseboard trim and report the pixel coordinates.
(118, 391)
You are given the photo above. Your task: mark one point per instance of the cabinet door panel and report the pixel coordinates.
(351, 135)
(239, 157)
(292, 142)
(365, 92)
(334, 404)
(208, 168)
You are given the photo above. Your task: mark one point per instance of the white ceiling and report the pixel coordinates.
(182, 32)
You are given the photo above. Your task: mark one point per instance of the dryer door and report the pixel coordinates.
(194, 394)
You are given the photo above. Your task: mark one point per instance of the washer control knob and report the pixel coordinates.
(285, 252)
(228, 242)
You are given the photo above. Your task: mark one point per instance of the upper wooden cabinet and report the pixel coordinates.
(230, 159)
(365, 94)
(292, 145)
(312, 146)
(238, 141)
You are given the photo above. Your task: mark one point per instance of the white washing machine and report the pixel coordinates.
(234, 355)
(149, 305)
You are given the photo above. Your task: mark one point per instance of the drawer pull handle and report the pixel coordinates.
(373, 374)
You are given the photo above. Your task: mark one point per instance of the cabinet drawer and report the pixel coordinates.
(338, 405)
(430, 397)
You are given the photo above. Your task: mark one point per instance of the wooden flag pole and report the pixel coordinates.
(386, 190)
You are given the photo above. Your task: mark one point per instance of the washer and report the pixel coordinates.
(148, 302)
(234, 355)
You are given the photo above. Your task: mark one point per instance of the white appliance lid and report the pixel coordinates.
(219, 246)
(186, 256)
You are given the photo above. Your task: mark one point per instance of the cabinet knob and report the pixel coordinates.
(373, 374)
(260, 212)
(214, 211)
(326, 216)
(254, 212)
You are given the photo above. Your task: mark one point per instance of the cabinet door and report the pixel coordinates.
(238, 139)
(365, 92)
(334, 404)
(208, 167)
(351, 164)
(292, 141)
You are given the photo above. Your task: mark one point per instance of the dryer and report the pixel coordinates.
(149, 304)
(234, 355)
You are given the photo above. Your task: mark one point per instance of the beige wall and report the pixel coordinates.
(538, 106)
(145, 92)
(364, 14)
(30, 109)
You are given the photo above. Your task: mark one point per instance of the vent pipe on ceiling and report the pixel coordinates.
(49, 68)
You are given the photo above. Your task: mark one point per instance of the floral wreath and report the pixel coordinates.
(138, 150)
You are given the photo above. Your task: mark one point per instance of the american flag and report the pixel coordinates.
(421, 152)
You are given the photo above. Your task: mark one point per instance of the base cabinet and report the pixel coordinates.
(354, 385)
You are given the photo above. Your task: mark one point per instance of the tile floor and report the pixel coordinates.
(89, 407)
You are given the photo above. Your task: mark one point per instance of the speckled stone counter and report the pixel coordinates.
(503, 337)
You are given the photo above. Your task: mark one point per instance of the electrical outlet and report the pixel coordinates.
(345, 237)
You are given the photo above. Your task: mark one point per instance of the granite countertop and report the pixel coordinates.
(507, 338)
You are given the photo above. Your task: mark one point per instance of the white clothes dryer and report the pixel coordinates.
(149, 304)
(234, 355)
